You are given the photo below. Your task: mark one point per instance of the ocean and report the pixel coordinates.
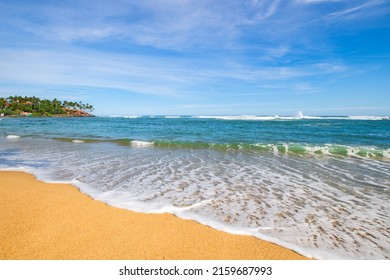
(317, 185)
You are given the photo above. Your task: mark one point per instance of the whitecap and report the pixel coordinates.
(13, 136)
(368, 118)
(299, 116)
(137, 143)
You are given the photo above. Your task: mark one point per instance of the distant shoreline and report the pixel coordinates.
(19, 106)
(37, 117)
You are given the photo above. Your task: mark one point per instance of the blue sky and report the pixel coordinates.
(203, 57)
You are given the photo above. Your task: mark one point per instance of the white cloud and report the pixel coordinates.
(182, 25)
(305, 88)
(149, 75)
(318, 1)
(357, 10)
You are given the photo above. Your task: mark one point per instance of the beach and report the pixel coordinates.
(56, 221)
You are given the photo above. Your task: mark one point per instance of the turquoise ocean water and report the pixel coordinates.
(317, 185)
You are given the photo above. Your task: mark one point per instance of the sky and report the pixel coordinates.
(200, 57)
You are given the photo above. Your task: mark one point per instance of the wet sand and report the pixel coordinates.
(56, 221)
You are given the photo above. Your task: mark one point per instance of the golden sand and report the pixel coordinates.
(56, 221)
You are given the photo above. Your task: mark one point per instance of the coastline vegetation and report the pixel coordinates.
(36, 107)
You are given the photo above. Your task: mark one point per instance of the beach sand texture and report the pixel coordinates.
(56, 221)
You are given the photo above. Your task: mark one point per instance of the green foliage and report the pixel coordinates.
(8, 112)
(18, 105)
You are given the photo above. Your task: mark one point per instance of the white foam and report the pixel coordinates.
(369, 118)
(299, 116)
(243, 117)
(18, 169)
(256, 118)
(78, 141)
(269, 197)
(13, 136)
(120, 116)
(131, 117)
(137, 143)
(125, 200)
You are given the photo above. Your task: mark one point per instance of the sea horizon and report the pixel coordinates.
(299, 115)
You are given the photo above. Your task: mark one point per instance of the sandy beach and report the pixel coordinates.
(56, 221)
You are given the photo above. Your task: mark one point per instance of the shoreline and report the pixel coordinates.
(56, 221)
(44, 117)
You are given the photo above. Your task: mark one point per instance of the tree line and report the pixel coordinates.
(34, 106)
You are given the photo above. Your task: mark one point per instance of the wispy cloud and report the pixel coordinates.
(357, 10)
(180, 25)
(305, 88)
(173, 77)
(318, 1)
(161, 24)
